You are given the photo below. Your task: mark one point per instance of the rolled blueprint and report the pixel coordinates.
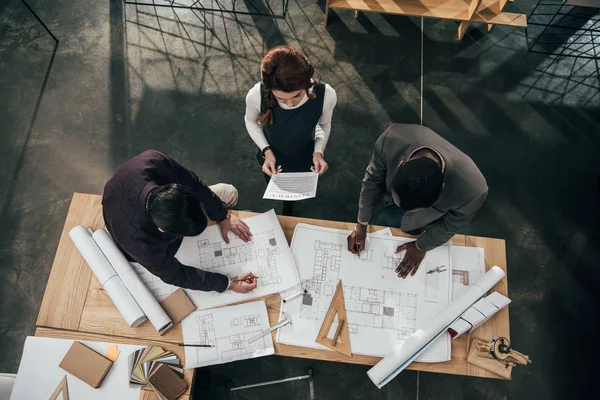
(140, 292)
(107, 276)
(387, 369)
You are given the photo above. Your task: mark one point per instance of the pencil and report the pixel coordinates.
(193, 345)
(245, 279)
(357, 244)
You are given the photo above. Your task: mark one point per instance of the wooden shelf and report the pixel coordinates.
(465, 11)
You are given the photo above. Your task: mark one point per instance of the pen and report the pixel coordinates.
(193, 345)
(358, 248)
(245, 279)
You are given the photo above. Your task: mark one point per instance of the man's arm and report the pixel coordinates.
(373, 184)
(444, 228)
(173, 272)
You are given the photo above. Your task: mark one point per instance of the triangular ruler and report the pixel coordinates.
(62, 387)
(341, 338)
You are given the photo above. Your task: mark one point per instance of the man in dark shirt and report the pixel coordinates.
(152, 202)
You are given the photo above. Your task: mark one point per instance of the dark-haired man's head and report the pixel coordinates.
(417, 183)
(176, 209)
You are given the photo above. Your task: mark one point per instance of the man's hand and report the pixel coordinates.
(411, 261)
(234, 224)
(247, 282)
(320, 165)
(269, 166)
(357, 239)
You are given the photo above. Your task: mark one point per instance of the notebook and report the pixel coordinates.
(85, 364)
(178, 306)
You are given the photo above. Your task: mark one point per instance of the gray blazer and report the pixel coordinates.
(464, 191)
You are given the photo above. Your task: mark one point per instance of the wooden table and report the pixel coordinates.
(75, 306)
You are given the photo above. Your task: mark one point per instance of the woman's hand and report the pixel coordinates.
(269, 165)
(319, 164)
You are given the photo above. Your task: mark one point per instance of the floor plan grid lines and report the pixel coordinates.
(364, 306)
(227, 330)
(382, 309)
(263, 248)
(267, 256)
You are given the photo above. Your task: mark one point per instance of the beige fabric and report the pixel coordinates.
(227, 193)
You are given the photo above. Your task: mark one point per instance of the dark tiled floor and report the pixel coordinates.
(177, 82)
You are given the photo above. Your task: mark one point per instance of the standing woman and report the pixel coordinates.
(288, 115)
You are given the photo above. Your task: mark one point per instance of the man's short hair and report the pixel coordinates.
(418, 183)
(176, 209)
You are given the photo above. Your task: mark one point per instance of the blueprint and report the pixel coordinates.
(159, 289)
(468, 265)
(268, 256)
(382, 309)
(227, 330)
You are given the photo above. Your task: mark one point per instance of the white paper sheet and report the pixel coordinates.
(268, 256)
(468, 266)
(383, 232)
(405, 353)
(39, 373)
(292, 186)
(101, 267)
(382, 309)
(142, 295)
(228, 330)
(157, 287)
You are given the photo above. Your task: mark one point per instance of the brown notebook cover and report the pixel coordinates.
(166, 383)
(85, 364)
(178, 306)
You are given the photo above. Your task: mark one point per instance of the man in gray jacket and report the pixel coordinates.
(429, 188)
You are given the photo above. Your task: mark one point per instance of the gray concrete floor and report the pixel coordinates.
(126, 79)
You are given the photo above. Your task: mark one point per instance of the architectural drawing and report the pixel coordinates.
(227, 330)
(382, 310)
(159, 289)
(364, 307)
(390, 263)
(468, 266)
(246, 321)
(227, 347)
(262, 250)
(267, 256)
(365, 255)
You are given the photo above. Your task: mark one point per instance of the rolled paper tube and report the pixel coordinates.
(113, 286)
(389, 367)
(140, 292)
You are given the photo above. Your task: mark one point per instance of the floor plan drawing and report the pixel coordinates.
(227, 331)
(157, 287)
(262, 250)
(364, 308)
(246, 321)
(224, 348)
(365, 255)
(391, 261)
(363, 305)
(468, 265)
(267, 256)
(382, 309)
